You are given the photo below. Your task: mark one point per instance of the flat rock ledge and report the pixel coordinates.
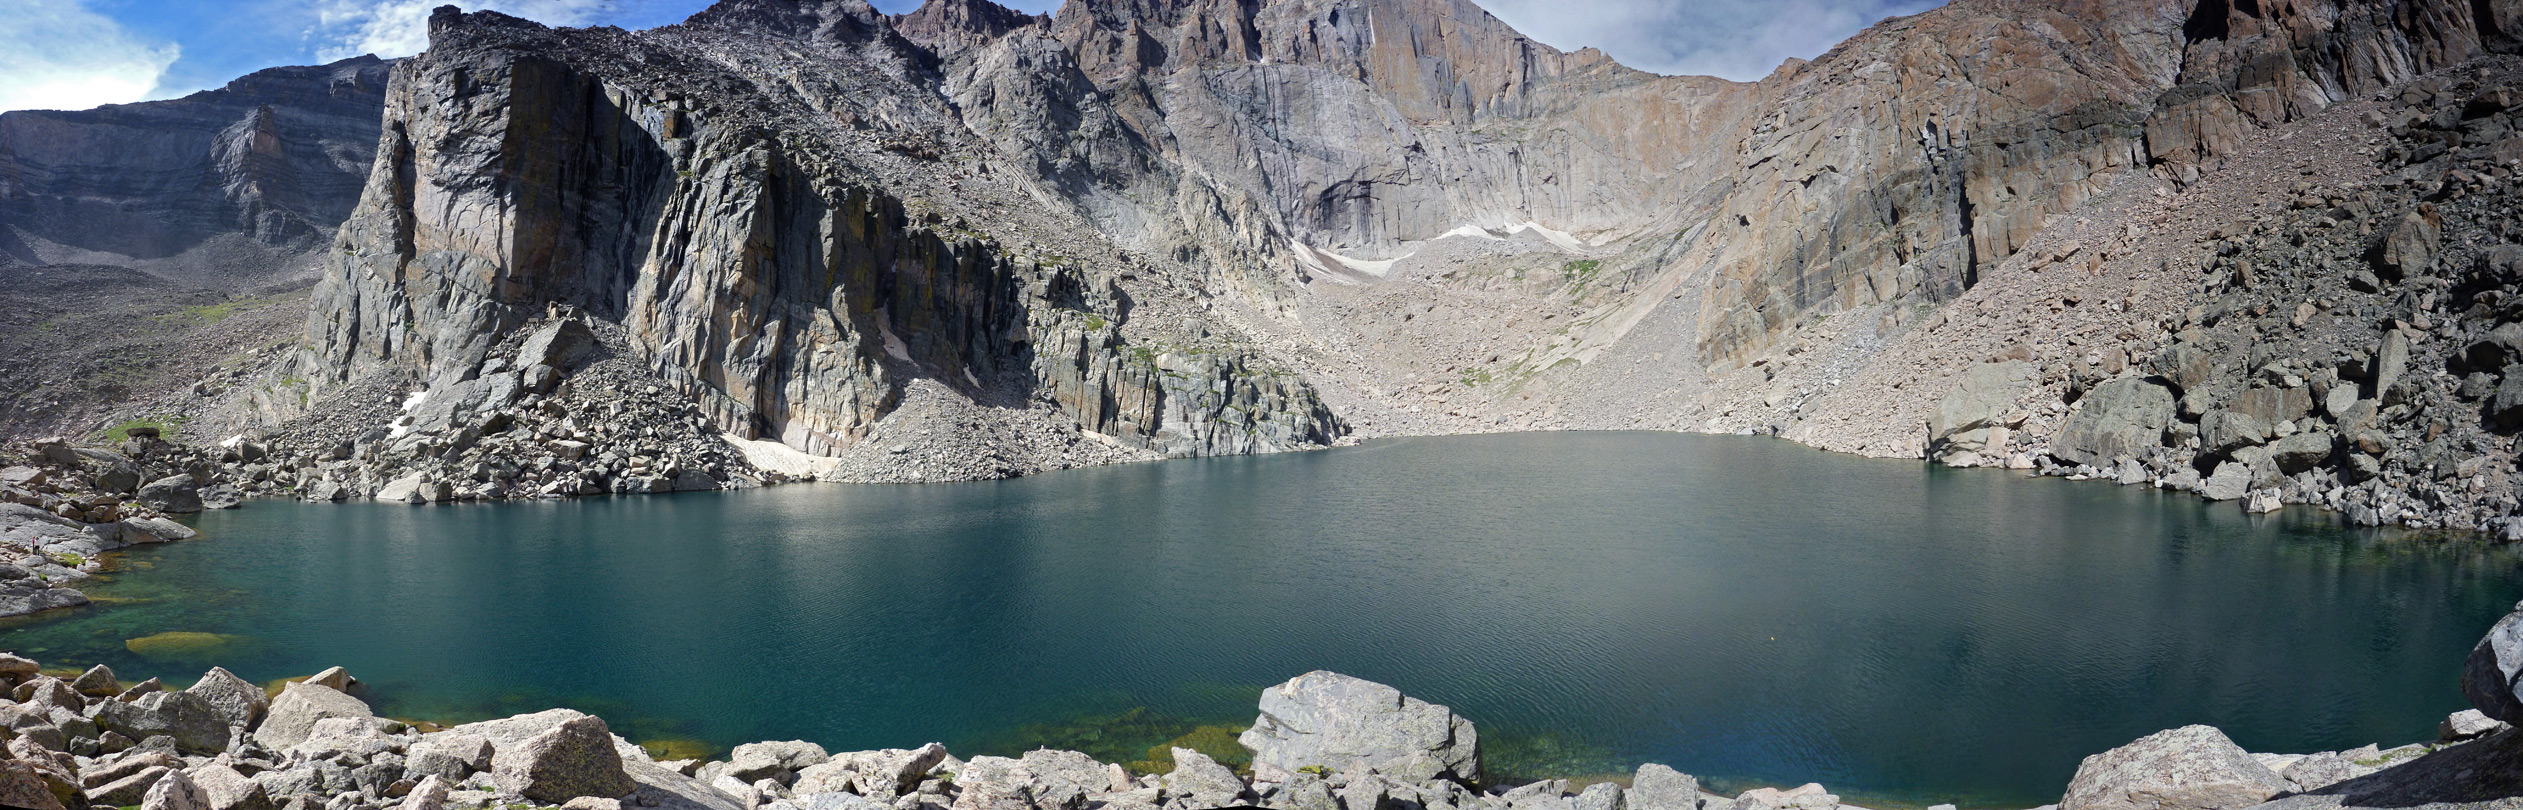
(1322, 741)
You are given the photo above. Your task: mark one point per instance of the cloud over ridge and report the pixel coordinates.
(59, 55)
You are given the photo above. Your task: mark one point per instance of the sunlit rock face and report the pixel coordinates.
(798, 208)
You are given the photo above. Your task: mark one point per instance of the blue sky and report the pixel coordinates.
(74, 54)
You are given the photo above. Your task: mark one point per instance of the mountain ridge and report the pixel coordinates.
(1215, 226)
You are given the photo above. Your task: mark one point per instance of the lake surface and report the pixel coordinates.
(1744, 609)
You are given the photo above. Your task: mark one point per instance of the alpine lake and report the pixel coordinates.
(1743, 609)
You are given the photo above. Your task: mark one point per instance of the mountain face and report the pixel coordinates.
(787, 223)
(1190, 227)
(276, 157)
(145, 248)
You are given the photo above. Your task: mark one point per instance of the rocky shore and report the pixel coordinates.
(1321, 741)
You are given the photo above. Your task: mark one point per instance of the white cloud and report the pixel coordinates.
(58, 55)
(1736, 39)
(392, 28)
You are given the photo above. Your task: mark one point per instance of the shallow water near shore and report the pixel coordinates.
(1744, 609)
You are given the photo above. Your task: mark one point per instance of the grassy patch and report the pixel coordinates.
(167, 428)
(1582, 271)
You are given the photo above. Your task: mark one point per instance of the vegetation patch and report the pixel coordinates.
(167, 428)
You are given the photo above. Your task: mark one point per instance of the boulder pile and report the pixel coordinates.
(1322, 741)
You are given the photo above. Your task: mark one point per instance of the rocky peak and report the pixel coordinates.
(820, 21)
(949, 26)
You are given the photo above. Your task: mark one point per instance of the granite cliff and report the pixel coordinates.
(970, 242)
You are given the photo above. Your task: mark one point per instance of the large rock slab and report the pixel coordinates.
(1656, 787)
(175, 791)
(174, 494)
(240, 702)
(1339, 722)
(2118, 419)
(293, 715)
(30, 527)
(2490, 675)
(1967, 419)
(883, 774)
(561, 344)
(23, 596)
(22, 786)
(776, 761)
(2188, 768)
(2410, 247)
(227, 788)
(196, 725)
(1202, 781)
(573, 759)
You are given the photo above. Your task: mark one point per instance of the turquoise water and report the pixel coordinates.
(1744, 609)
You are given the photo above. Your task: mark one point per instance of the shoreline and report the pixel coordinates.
(1321, 741)
(52, 493)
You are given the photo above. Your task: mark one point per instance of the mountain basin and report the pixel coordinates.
(1744, 609)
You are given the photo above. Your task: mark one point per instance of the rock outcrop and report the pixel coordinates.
(761, 259)
(2188, 768)
(1328, 720)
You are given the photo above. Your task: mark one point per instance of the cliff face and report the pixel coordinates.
(775, 210)
(1896, 168)
(1207, 226)
(276, 156)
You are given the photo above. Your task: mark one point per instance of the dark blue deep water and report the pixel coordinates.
(1743, 609)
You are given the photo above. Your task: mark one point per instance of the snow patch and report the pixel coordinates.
(1563, 239)
(893, 344)
(781, 458)
(1473, 231)
(404, 425)
(1321, 261)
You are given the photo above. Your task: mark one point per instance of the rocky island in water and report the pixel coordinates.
(2265, 253)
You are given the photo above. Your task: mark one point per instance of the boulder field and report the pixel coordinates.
(1321, 741)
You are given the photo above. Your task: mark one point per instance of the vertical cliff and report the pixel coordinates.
(777, 215)
(1201, 226)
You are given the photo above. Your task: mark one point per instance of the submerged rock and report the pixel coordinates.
(180, 644)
